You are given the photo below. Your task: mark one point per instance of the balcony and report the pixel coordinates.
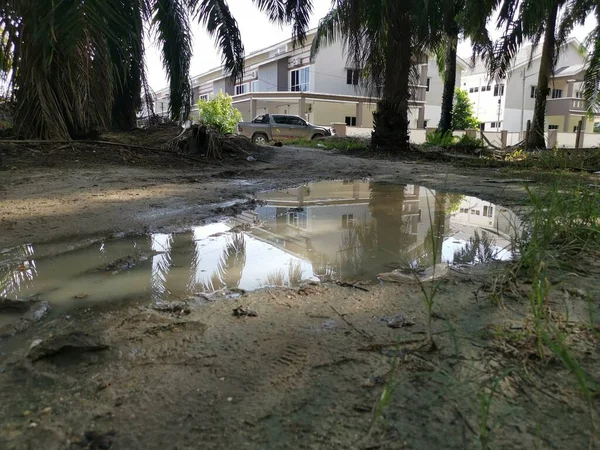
(564, 106)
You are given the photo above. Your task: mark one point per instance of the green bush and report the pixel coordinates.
(219, 114)
(468, 141)
(462, 113)
(441, 139)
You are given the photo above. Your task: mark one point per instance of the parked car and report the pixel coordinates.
(275, 127)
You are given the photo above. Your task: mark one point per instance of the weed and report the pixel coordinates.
(441, 139)
(486, 396)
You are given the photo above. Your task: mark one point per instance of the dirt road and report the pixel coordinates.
(82, 198)
(316, 367)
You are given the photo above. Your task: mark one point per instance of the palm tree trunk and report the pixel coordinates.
(536, 136)
(449, 85)
(391, 118)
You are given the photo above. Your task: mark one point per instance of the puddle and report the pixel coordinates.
(347, 230)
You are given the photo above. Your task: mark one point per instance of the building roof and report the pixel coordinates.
(523, 58)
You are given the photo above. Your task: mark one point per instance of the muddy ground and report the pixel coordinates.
(311, 368)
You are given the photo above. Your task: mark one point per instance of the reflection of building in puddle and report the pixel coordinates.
(359, 228)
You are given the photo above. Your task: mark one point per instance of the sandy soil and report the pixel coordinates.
(310, 369)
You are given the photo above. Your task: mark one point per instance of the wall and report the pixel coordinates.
(556, 120)
(282, 75)
(325, 113)
(268, 77)
(432, 115)
(329, 72)
(485, 105)
(223, 85)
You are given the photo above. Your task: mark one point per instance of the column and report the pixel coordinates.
(359, 114)
(253, 108)
(421, 118)
(302, 106)
(570, 88)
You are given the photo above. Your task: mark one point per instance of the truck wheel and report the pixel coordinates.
(259, 139)
(316, 136)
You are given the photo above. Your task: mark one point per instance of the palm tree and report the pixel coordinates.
(526, 20)
(381, 39)
(79, 65)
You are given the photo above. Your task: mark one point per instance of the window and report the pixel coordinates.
(487, 88)
(470, 90)
(255, 86)
(498, 90)
(297, 219)
(241, 89)
(464, 210)
(348, 221)
(578, 94)
(424, 124)
(553, 127)
(556, 93)
(476, 89)
(203, 97)
(352, 76)
(280, 120)
(488, 211)
(492, 124)
(300, 79)
(296, 121)
(351, 121)
(533, 92)
(263, 118)
(428, 84)
(482, 126)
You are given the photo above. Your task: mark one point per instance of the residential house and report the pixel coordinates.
(282, 79)
(509, 103)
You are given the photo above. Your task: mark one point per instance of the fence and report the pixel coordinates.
(499, 139)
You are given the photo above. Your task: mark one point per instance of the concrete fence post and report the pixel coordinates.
(471, 132)
(527, 134)
(552, 138)
(504, 138)
(579, 137)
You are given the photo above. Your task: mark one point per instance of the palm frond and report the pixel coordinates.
(216, 17)
(286, 12)
(170, 23)
(328, 32)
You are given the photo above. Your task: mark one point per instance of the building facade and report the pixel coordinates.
(283, 79)
(508, 104)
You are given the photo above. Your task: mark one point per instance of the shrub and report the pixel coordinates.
(441, 139)
(462, 113)
(219, 114)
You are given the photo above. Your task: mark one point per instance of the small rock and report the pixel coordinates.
(35, 343)
(81, 295)
(229, 399)
(240, 311)
(46, 410)
(26, 413)
(33, 425)
(250, 158)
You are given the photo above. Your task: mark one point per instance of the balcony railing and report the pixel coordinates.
(563, 106)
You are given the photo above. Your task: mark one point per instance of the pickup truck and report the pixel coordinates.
(275, 127)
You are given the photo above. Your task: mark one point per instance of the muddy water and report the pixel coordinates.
(346, 230)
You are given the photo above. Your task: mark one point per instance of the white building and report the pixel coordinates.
(281, 79)
(508, 104)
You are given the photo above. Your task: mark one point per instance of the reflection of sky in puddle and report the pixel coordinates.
(348, 230)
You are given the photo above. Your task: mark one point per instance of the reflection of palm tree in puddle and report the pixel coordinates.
(294, 275)
(430, 252)
(480, 249)
(230, 266)
(18, 277)
(356, 249)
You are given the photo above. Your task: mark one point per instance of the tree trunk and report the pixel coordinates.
(449, 85)
(391, 118)
(538, 127)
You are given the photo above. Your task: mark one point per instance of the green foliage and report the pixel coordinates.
(219, 113)
(462, 113)
(441, 139)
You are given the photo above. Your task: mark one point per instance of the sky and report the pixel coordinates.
(257, 33)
